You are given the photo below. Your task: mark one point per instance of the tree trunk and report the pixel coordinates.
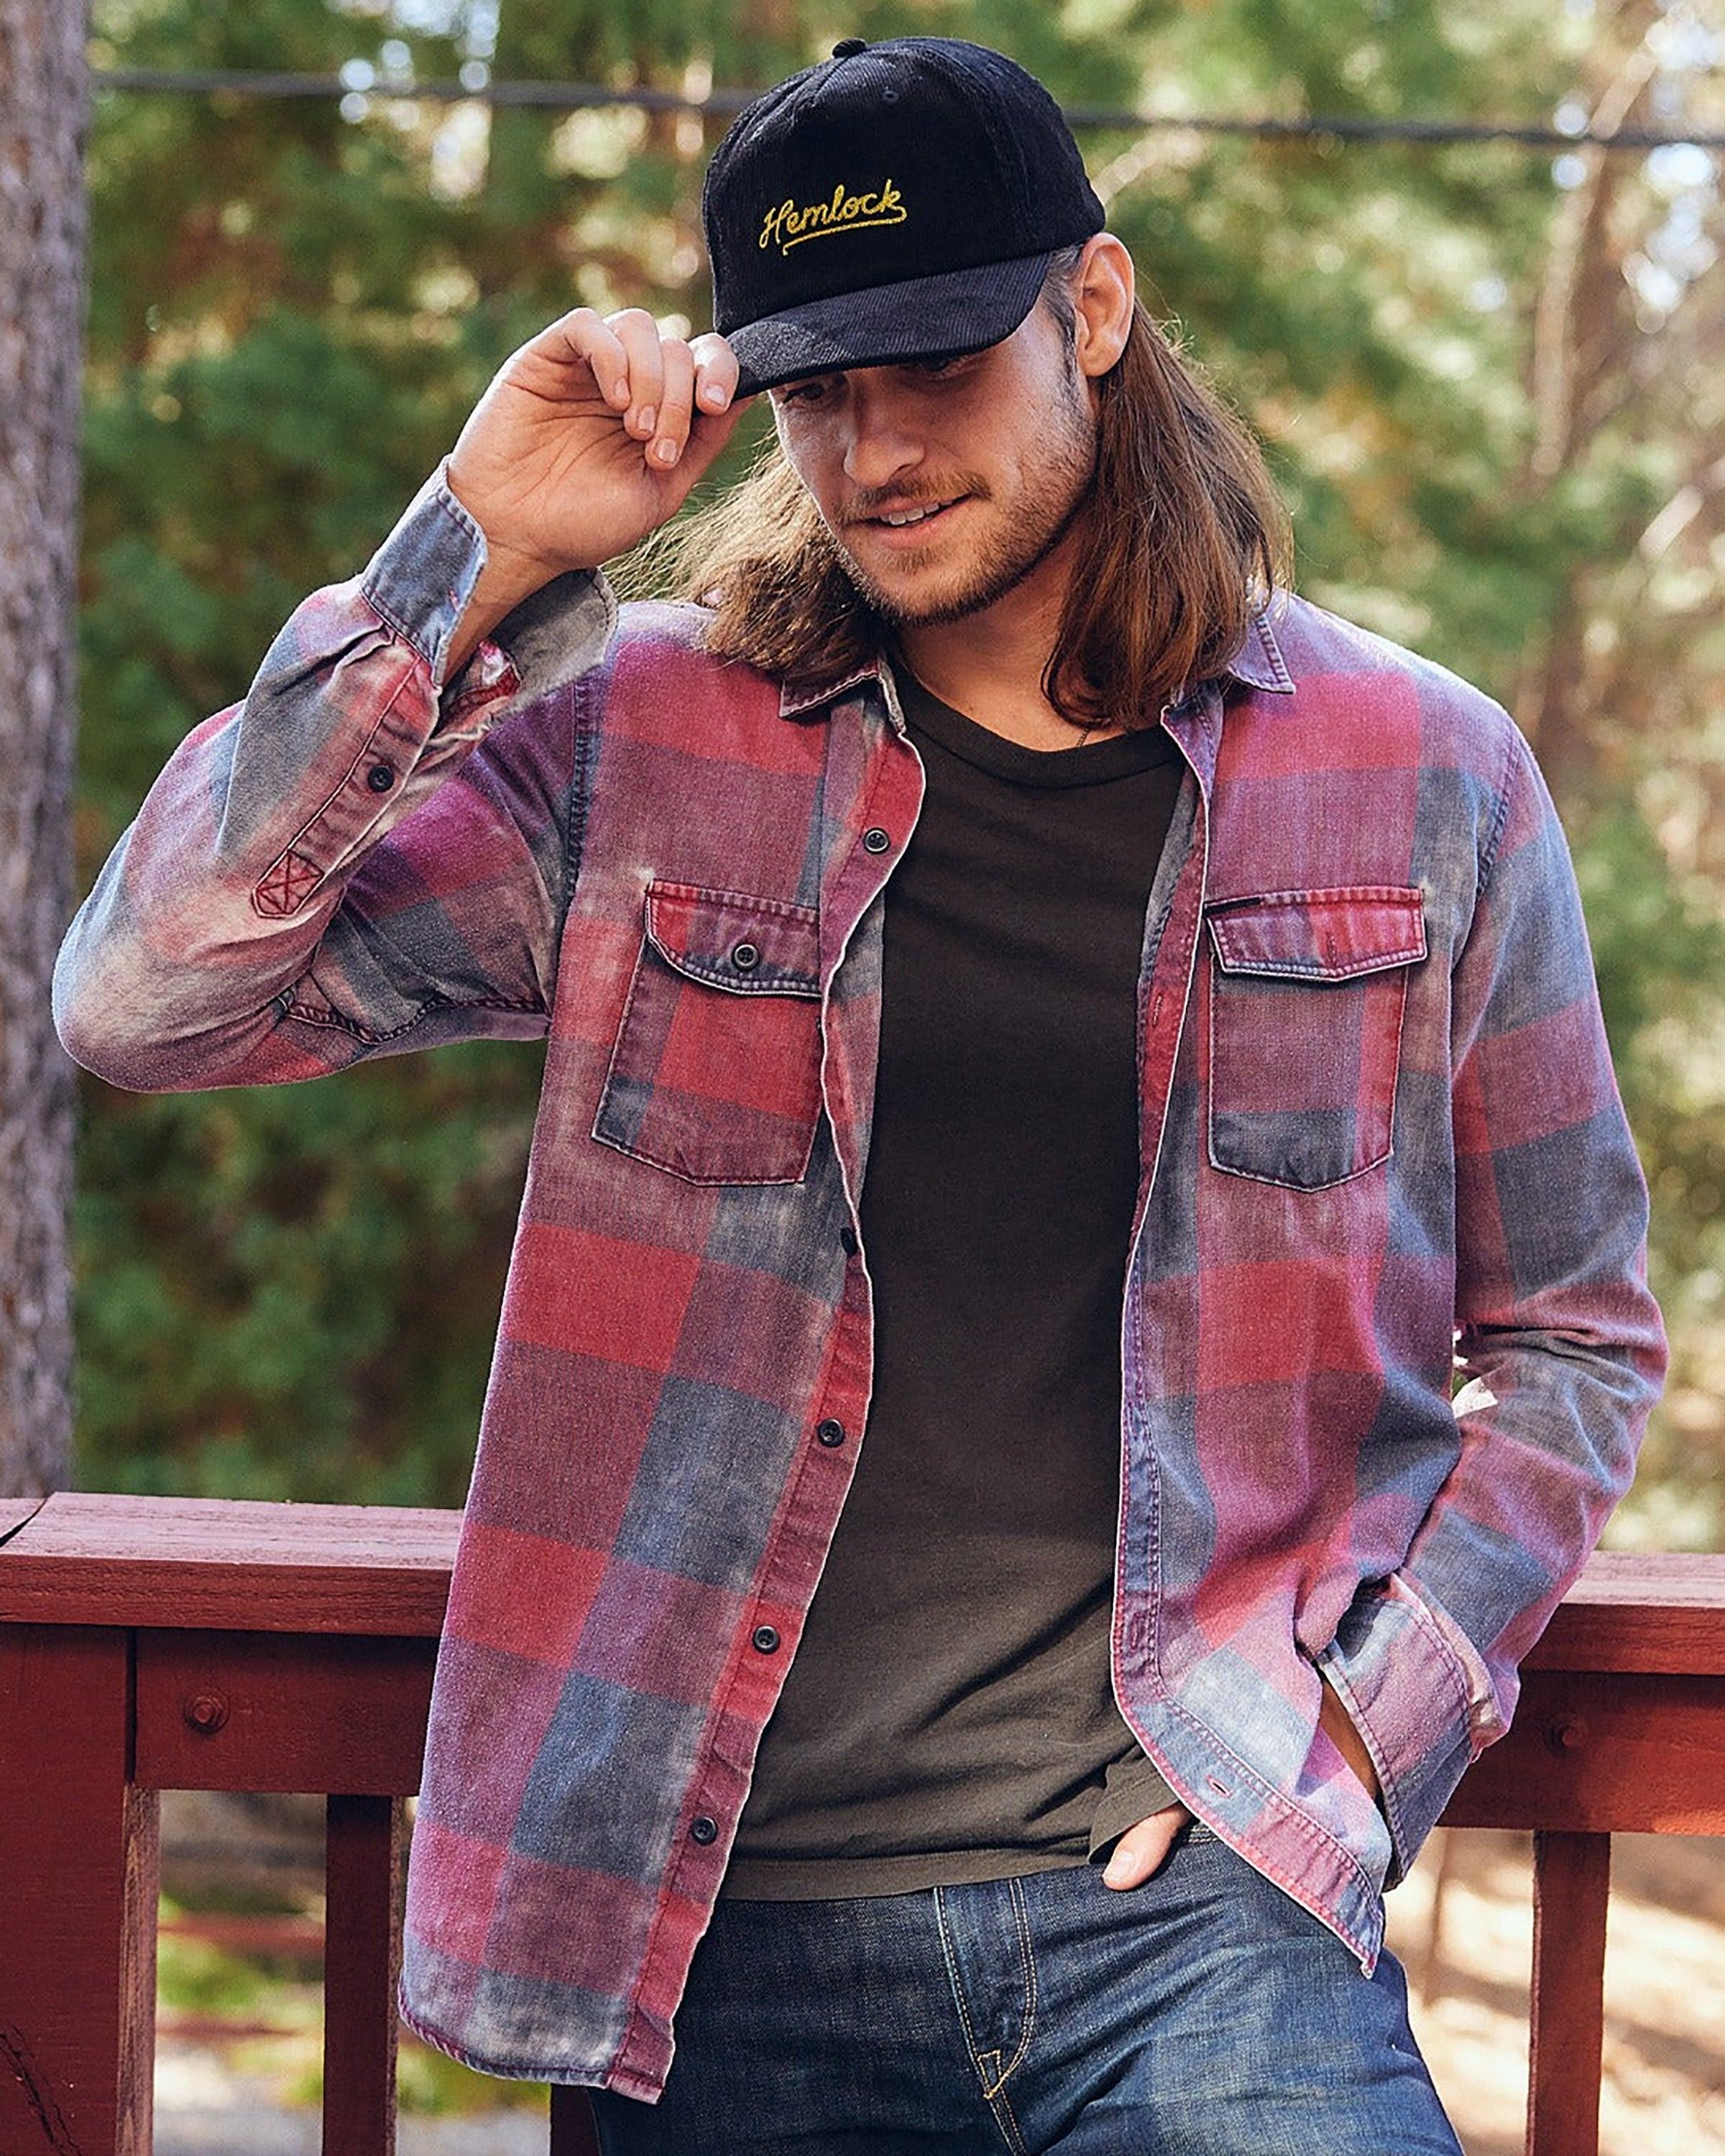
(1585, 345)
(44, 106)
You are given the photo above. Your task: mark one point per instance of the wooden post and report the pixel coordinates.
(78, 1857)
(573, 2131)
(361, 1961)
(1572, 1879)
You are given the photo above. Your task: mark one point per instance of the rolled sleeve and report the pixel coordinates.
(419, 582)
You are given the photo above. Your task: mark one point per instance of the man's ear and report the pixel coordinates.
(1103, 289)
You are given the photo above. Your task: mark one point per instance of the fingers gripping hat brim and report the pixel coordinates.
(938, 317)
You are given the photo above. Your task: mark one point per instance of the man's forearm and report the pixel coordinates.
(504, 583)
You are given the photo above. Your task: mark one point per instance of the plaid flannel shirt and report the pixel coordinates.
(1381, 1142)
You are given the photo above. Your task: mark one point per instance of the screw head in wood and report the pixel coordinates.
(206, 1710)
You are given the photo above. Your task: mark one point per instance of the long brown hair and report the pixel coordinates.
(1184, 534)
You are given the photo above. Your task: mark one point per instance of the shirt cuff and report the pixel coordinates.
(419, 582)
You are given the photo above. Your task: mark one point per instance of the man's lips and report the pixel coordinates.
(921, 520)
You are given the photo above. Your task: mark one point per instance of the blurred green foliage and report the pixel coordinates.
(295, 305)
(263, 2013)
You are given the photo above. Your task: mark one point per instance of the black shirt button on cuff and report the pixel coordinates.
(876, 840)
(830, 1433)
(704, 1829)
(766, 1638)
(381, 778)
(847, 1237)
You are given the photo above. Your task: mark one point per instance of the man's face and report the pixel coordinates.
(988, 456)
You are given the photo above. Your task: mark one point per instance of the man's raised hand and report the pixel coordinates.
(589, 437)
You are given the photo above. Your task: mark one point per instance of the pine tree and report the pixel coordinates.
(42, 267)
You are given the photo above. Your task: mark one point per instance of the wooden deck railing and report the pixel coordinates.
(157, 1643)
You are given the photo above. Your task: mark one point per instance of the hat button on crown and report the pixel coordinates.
(847, 47)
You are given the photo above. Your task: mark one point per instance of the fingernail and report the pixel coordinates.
(713, 394)
(1116, 1875)
(645, 417)
(664, 452)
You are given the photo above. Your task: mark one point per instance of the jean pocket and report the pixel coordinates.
(714, 1071)
(1307, 993)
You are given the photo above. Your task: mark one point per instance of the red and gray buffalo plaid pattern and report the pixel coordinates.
(1381, 1137)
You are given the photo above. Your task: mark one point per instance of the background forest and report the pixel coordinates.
(1487, 375)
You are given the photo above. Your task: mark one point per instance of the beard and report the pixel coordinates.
(1054, 486)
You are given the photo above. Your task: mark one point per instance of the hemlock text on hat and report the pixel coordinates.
(938, 178)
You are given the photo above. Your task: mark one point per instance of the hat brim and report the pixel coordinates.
(938, 317)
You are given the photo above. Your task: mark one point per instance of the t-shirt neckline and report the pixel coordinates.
(1084, 764)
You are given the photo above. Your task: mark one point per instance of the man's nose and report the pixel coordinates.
(882, 445)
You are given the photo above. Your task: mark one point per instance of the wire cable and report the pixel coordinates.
(726, 104)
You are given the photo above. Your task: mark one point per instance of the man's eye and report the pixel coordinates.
(939, 367)
(810, 392)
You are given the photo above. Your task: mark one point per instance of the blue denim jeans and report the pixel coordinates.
(1205, 2012)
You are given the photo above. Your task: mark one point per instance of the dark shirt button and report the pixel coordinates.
(877, 840)
(847, 1236)
(765, 1638)
(379, 777)
(745, 956)
(830, 1433)
(704, 1828)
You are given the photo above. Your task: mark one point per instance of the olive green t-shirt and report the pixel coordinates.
(949, 1714)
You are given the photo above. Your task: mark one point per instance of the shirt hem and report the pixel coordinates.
(758, 1879)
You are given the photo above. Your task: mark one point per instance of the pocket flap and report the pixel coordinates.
(1320, 935)
(731, 940)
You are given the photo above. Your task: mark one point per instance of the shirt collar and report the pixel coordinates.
(795, 698)
(1258, 662)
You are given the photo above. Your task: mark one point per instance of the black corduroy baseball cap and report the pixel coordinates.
(899, 201)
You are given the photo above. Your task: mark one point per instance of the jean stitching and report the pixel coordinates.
(998, 2105)
(957, 1982)
(1028, 1963)
(999, 2101)
(1008, 2125)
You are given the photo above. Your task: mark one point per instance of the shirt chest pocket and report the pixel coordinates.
(1307, 993)
(715, 1072)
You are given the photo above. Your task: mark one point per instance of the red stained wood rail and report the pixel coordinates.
(150, 1644)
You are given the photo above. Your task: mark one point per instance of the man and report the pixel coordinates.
(1016, 977)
